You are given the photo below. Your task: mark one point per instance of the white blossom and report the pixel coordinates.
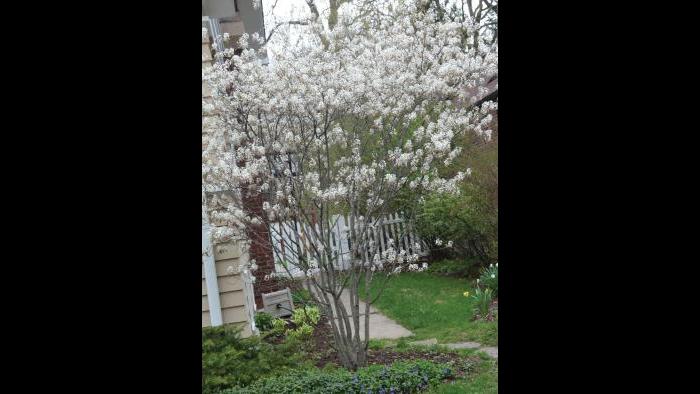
(344, 126)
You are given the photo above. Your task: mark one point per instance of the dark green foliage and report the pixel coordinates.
(462, 219)
(459, 268)
(263, 321)
(469, 220)
(401, 377)
(229, 360)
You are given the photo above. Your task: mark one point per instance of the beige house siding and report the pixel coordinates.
(232, 296)
(206, 319)
(231, 287)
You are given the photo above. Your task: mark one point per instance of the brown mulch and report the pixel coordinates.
(324, 354)
(322, 344)
(460, 364)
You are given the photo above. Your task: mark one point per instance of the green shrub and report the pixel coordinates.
(401, 377)
(462, 268)
(263, 321)
(229, 360)
(489, 278)
(466, 220)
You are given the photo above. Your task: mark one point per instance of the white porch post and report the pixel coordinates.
(210, 273)
(248, 293)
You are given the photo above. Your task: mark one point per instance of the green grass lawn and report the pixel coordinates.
(434, 306)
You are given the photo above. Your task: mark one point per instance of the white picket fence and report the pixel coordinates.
(286, 236)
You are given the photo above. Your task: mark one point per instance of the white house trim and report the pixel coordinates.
(210, 273)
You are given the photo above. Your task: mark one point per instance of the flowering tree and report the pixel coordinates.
(340, 129)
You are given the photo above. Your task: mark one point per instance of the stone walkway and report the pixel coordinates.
(492, 351)
(380, 326)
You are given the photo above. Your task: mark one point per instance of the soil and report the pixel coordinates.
(324, 353)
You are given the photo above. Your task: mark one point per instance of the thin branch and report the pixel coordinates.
(274, 29)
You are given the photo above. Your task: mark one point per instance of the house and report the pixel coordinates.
(234, 17)
(230, 296)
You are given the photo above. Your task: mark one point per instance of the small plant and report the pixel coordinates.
(302, 332)
(482, 302)
(489, 278)
(279, 325)
(308, 314)
(305, 320)
(263, 321)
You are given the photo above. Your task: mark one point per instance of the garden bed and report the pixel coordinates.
(324, 353)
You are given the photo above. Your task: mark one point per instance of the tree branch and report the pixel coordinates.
(300, 23)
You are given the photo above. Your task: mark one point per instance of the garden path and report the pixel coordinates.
(380, 326)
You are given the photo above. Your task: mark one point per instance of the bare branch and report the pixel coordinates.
(298, 23)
